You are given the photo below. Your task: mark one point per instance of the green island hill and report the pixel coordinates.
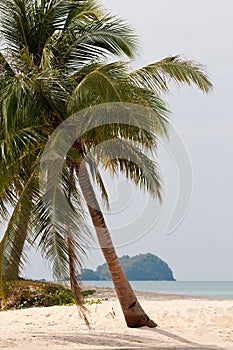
(142, 267)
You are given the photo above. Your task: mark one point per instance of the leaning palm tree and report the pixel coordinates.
(54, 63)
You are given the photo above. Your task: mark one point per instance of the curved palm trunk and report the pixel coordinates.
(135, 316)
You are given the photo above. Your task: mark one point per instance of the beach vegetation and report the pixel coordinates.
(23, 294)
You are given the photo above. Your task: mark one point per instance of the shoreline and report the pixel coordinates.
(184, 323)
(157, 295)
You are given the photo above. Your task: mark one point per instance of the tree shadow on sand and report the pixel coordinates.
(191, 344)
(118, 341)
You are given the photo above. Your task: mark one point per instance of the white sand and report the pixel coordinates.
(184, 323)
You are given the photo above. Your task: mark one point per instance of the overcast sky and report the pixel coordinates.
(201, 247)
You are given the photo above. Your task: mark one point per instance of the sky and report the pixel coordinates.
(201, 246)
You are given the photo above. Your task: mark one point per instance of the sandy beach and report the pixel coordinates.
(184, 323)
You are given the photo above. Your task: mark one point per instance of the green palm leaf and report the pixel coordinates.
(95, 40)
(17, 226)
(118, 155)
(59, 208)
(97, 178)
(155, 76)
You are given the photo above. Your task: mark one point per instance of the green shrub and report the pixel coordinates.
(26, 293)
(88, 292)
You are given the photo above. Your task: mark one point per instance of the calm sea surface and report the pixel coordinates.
(209, 289)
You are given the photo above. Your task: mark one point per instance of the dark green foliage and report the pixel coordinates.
(143, 267)
(88, 292)
(26, 293)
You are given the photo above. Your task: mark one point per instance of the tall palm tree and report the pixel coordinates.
(54, 63)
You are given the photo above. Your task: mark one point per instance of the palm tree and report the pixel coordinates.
(54, 63)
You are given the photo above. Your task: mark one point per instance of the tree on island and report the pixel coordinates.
(54, 63)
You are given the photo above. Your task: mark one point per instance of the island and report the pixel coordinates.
(142, 267)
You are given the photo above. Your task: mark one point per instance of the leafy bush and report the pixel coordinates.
(88, 292)
(26, 293)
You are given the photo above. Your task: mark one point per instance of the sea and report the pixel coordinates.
(223, 290)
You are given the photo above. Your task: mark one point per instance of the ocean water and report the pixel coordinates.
(208, 289)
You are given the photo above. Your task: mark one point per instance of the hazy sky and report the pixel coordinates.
(201, 247)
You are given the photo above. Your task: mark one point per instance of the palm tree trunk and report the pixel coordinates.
(135, 316)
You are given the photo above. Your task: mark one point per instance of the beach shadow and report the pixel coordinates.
(126, 342)
(193, 345)
(100, 339)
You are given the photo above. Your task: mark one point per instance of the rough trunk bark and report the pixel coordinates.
(134, 314)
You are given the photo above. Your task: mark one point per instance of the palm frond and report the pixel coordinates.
(74, 273)
(57, 213)
(129, 121)
(17, 227)
(18, 154)
(97, 178)
(155, 76)
(97, 87)
(84, 11)
(110, 83)
(97, 39)
(118, 155)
